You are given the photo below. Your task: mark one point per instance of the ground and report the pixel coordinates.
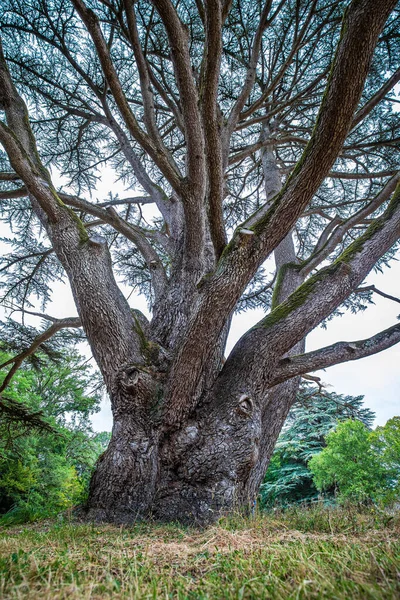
(300, 553)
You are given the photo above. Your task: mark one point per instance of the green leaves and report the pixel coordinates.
(327, 446)
(362, 465)
(43, 473)
(288, 478)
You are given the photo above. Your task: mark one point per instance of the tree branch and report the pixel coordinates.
(376, 98)
(368, 175)
(134, 200)
(250, 75)
(16, 193)
(372, 288)
(16, 361)
(44, 316)
(106, 215)
(18, 413)
(140, 172)
(131, 232)
(332, 225)
(295, 47)
(317, 298)
(212, 121)
(238, 156)
(334, 119)
(193, 190)
(335, 354)
(188, 93)
(326, 246)
(8, 176)
(145, 84)
(159, 155)
(170, 103)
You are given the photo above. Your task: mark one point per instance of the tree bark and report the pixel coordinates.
(123, 485)
(192, 474)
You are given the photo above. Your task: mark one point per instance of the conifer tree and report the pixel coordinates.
(253, 129)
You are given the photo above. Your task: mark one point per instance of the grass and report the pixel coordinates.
(297, 553)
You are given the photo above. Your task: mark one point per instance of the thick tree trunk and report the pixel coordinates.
(123, 484)
(214, 461)
(191, 474)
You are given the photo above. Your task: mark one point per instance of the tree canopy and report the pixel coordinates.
(58, 52)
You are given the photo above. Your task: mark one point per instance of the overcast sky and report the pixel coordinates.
(376, 377)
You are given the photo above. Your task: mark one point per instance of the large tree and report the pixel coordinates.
(255, 129)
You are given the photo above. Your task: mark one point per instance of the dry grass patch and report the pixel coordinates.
(278, 556)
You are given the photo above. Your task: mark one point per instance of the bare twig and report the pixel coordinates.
(373, 288)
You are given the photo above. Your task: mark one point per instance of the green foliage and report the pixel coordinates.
(363, 466)
(60, 78)
(386, 441)
(315, 414)
(43, 473)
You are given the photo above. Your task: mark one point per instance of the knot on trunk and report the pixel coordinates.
(136, 391)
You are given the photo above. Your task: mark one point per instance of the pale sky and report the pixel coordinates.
(376, 377)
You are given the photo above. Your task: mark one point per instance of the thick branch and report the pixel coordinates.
(193, 190)
(188, 93)
(212, 122)
(335, 354)
(158, 154)
(315, 299)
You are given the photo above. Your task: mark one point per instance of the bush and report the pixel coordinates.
(363, 465)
